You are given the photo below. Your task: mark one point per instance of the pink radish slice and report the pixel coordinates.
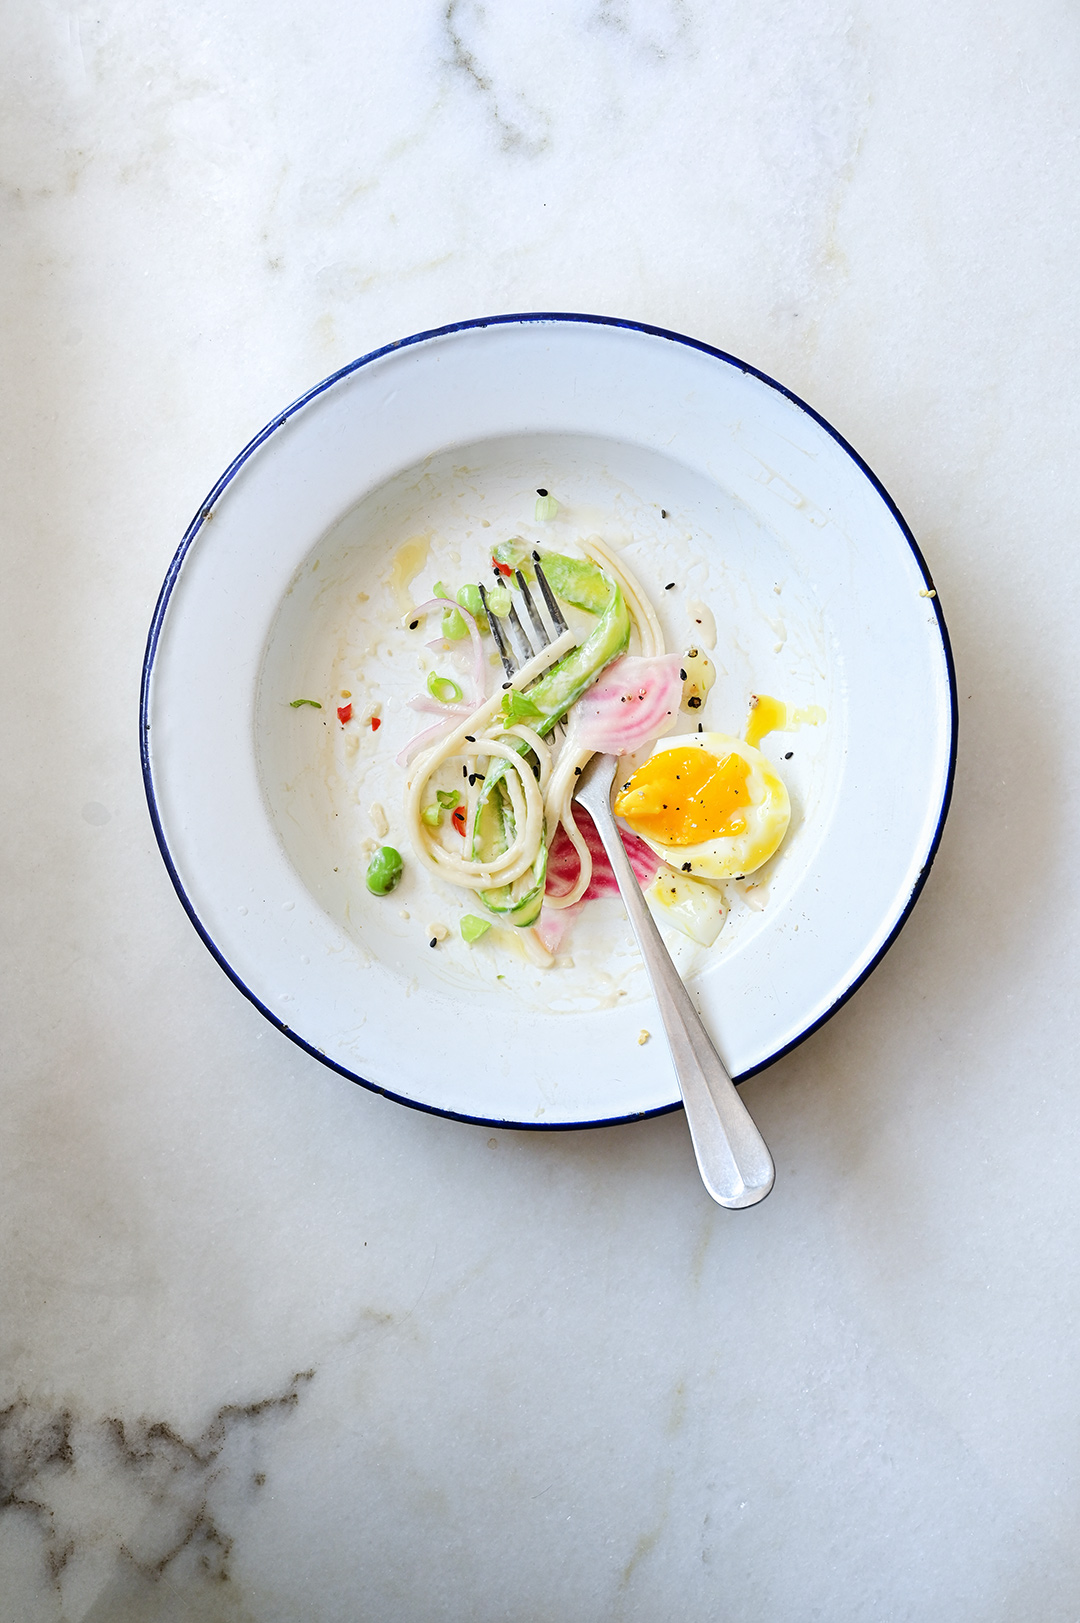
(553, 924)
(563, 865)
(635, 701)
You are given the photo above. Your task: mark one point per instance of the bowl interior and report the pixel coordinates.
(339, 636)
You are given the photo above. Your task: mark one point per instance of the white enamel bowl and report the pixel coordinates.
(693, 464)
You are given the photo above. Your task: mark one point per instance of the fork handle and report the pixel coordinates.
(733, 1158)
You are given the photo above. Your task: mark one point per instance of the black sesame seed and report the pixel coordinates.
(508, 684)
(700, 727)
(663, 512)
(464, 772)
(682, 675)
(577, 772)
(413, 624)
(434, 942)
(670, 587)
(540, 492)
(694, 703)
(469, 738)
(686, 867)
(789, 754)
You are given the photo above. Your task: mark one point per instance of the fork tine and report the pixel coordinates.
(508, 660)
(539, 627)
(553, 608)
(525, 647)
(499, 628)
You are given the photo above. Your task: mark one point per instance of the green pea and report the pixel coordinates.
(469, 598)
(384, 871)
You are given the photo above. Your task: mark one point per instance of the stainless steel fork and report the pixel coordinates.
(733, 1158)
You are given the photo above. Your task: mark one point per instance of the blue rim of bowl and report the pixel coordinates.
(527, 318)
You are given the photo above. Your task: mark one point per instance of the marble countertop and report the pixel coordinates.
(276, 1348)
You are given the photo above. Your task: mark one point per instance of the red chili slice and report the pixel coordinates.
(458, 820)
(344, 713)
(376, 723)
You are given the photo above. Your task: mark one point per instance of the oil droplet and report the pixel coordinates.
(409, 559)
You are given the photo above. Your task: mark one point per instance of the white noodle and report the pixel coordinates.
(538, 806)
(641, 610)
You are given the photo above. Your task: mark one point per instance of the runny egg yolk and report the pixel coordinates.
(685, 796)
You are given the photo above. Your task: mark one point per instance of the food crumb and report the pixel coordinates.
(437, 932)
(404, 914)
(643, 1037)
(930, 593)
(379, 822)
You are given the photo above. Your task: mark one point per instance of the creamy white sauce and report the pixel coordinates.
(331, 787)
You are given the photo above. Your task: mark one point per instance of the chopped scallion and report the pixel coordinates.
(519, 707)
(546, 508)
(513, 555)
(443, 689)
(294, 704)
(473, 928)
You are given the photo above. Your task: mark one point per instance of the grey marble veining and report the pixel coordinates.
(273, 1348)
(123, 1510)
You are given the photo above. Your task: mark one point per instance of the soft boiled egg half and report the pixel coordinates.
(708, 804)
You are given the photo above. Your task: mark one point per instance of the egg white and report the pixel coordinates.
(728, 856)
